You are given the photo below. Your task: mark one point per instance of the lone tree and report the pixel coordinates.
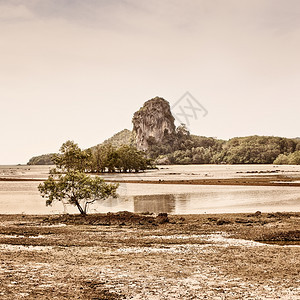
(68, 182)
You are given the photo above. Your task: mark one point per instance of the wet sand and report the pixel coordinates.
(262, 180)
(275, 180)
(130, 256)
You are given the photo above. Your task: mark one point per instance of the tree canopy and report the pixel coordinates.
(125, 158)
(71, 157)
(191, 149)
(289, 159)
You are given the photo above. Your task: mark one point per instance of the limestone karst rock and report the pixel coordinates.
(152, 123)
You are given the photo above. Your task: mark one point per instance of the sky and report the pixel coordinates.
(78, 70)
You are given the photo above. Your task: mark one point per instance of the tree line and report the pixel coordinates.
(184, 148)
(102, 158)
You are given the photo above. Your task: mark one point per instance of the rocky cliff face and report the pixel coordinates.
(152, 123)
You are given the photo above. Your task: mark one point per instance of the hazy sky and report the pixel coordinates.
(79, 69)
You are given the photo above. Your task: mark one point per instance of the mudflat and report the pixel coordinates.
(144, 256)
(275, 180)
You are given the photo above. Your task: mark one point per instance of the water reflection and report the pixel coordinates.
(154, 203)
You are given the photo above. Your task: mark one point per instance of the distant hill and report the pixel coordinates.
(124, 137)
(45, 159)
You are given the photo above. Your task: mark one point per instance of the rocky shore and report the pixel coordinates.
(131, 256)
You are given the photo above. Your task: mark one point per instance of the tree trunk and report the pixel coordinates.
(80, 208)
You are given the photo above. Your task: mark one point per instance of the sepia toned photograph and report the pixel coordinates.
(150, 150)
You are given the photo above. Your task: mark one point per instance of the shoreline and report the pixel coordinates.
(274, 180)
(190, 215)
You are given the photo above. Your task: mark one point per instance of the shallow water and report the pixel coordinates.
(23, 197)
(173, 172)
